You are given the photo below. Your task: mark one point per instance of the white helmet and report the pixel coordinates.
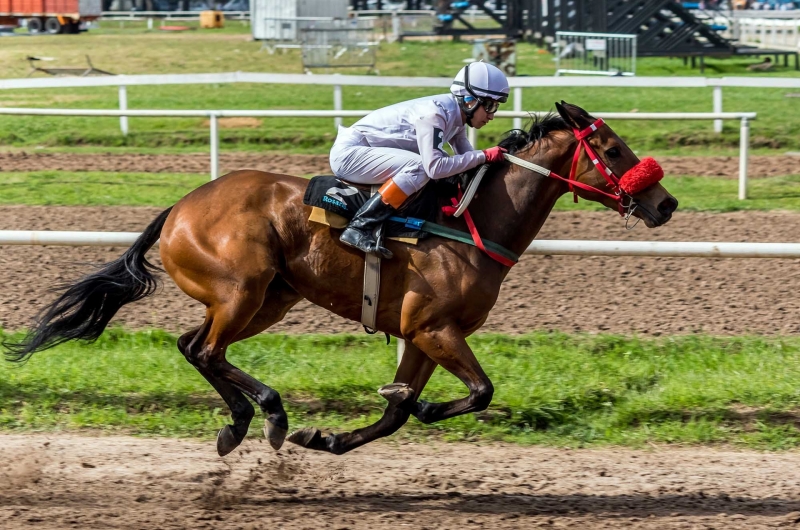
(481, 80)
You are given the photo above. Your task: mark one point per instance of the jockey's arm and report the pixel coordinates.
(437, 164)
(460, 143)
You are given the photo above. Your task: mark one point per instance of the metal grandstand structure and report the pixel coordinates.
(664, 28)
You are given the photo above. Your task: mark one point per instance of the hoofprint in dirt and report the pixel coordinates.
(708, 166)
(646, 296)
(60, 481)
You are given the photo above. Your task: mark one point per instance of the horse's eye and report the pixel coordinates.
(613, 152)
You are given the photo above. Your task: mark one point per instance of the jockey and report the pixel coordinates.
(401, 147)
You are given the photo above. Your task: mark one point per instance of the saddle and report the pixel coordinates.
(336, 201)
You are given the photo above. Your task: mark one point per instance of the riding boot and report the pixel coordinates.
(360, 233)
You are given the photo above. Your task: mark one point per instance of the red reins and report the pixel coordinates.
(644, 174)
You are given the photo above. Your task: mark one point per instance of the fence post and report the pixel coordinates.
(472, 136)
(123, 105)
(337, 105)
(518, 106)
(401, 348)
(214, 140)
(744, 145)
(717, 108)
(396, 27)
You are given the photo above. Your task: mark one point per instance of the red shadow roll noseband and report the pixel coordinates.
(640, 177)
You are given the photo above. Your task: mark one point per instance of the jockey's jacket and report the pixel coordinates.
(422, 126)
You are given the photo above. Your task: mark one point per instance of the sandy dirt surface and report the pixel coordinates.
(183, 163)
(646, 296)
(714, 166)
(64, 481)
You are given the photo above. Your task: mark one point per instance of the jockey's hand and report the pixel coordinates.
(494, 154)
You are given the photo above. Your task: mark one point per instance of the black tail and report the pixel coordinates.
(84, 309)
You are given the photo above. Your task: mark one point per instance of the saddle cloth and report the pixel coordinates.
(345, 198)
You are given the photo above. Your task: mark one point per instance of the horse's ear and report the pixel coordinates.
(575, 116)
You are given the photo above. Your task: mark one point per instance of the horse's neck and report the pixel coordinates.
(516, 201)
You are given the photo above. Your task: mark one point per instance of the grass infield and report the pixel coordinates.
(573, 390)
(164, 189)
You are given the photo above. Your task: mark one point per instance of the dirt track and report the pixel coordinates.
(716, 166)
(63, 481)
(648, 296)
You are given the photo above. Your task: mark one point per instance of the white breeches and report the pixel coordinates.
(352, 159)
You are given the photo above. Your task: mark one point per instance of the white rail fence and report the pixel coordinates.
(214, 116)
(338, 81)
(168, 15)
(782, 34)
(542, 247)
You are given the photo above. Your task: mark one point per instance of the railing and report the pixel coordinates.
(768, 33)
(167, 15)
(542, 247)
(610, 54)
(338, 81)
(214, 115)
(566, 247)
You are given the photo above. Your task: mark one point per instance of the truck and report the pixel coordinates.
(50, 16)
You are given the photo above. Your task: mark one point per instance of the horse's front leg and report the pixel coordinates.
(412, 375)
(447, 346)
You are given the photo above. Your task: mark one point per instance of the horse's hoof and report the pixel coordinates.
(227, 441)
(396, 393)
(274, 434)
(308, 437)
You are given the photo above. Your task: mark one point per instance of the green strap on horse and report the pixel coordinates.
(451, 233)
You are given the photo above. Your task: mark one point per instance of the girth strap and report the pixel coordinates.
(455, 235)
(372, 286)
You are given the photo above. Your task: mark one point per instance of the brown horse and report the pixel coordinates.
(243, 246)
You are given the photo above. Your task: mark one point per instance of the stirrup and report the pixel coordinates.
(366, 244)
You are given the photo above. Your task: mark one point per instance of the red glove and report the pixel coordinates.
(494, 154)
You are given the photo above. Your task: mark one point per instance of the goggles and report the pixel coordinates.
(489, 105)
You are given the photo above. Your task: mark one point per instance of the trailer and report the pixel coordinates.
(50, 16)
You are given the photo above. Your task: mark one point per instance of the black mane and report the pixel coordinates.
(541, 126)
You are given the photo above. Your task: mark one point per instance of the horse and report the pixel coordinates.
(242, 246)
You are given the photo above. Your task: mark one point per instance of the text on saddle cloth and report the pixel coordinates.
(345, 199)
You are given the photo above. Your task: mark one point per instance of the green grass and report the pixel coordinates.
(96, 188)
(550, 388)
(231, 49)
(164, 189)
(774, 129)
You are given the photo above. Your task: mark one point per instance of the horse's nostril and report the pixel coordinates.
(668, 206)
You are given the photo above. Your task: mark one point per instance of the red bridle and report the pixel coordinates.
(644, 174)
(641, 176)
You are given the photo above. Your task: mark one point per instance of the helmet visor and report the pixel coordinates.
(489, 105)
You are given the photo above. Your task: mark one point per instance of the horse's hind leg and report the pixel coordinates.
(244, 316)
(280, 298)
(413, 373)
(242, 411)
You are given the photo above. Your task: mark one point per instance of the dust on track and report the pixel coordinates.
(60, 481)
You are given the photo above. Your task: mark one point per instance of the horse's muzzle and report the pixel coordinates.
(662, 214)
(666, 208)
